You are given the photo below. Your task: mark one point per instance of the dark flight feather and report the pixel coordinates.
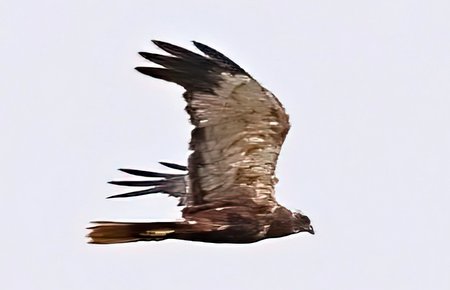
(137, 183)
(174, 166)
(147, 173)
(222, 59)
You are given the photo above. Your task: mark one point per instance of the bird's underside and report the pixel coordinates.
(227, 189)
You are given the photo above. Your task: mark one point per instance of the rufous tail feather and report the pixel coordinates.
(125, 232)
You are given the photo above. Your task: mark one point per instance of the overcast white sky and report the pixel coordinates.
(366, 84)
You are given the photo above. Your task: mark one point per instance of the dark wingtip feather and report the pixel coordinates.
(197, 44)
(143, 53)
(139, 69)
(168, 46)
(224, 60)
(207, 50)
(151, 56)
(176, 50)
(129, 194)
(159, 43)
(146, 70)
(174, 166)
(138, 182)
(147, 173)
(165, 74)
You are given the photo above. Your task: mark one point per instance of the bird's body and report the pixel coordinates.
(228, 191)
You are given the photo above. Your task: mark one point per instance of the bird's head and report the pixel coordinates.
(302, 223)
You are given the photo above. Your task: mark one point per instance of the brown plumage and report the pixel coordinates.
(227, 189)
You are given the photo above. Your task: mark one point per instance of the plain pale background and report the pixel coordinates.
(366, 84)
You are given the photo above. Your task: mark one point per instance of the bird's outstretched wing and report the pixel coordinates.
(239, 126)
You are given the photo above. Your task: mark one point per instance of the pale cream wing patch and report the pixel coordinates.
(238, 136)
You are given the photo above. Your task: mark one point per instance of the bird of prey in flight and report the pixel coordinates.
(227, 188)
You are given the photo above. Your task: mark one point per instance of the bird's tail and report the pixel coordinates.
(125, 232)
